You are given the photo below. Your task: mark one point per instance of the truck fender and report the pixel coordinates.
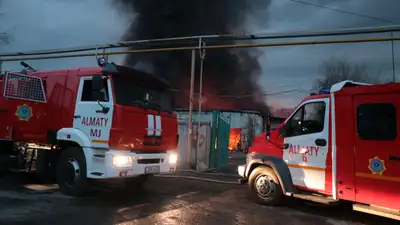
(74, 135)
(280, 168)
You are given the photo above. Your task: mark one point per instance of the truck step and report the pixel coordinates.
(314, 198)
(392, 214)
(243, 180)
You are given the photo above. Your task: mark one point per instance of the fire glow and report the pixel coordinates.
(234, 138)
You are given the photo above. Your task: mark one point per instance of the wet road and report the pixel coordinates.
(164, 201)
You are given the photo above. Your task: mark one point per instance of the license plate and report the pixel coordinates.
(126, 173)
(152, 169)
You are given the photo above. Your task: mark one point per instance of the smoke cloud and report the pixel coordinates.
(226, 72)
(48, 24)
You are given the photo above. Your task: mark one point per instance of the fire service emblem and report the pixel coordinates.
(24, 112)
(377, 166)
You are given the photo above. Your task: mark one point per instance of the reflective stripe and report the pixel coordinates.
(158, 125)
(150, 125)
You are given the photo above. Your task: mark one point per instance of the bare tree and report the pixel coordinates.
(336, 70)
(4, 38)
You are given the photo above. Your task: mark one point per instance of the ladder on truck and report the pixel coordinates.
(28, 88)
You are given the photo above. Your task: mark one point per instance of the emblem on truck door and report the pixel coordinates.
(24, 112)
(377, 166)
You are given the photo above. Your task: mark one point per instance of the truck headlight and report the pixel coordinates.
(122, 161)
(172, 158)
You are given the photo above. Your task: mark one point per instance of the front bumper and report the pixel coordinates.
(140, 164)
(242, 170)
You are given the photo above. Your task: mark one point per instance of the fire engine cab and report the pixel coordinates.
(79, 125)
(342, 144)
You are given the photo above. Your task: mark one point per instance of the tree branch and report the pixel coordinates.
(336, 70)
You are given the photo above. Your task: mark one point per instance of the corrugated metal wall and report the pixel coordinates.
(239, 119)
(203, 154)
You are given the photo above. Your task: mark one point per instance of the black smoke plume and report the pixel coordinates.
(226, 72)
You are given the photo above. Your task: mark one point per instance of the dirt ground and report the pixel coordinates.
(164, 201)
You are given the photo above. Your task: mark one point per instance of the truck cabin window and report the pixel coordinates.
(377, 121)
(131, 92)
(87, 92)
(308, 119)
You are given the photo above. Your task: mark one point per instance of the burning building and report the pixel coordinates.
(244, 125)
(233, 72)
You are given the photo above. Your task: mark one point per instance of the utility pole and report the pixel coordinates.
(393, 61)
(190, 124)
(202, 55)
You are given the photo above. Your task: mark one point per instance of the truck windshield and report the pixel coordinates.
(131, 92)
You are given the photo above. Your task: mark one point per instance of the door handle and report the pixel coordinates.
(320, 142)
(285, 146)
(394, 158)
(103, 110)
(77, 116)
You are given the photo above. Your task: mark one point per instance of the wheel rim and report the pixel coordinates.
(265, 186)
(72, 172)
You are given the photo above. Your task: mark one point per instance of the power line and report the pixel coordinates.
(246, 95)
(223, 46)
(345, 12)
(214, 39)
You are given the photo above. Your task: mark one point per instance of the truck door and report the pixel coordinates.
(89, 115)
(306, 144)
(377, 149)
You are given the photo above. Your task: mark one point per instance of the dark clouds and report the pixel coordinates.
(226, 71)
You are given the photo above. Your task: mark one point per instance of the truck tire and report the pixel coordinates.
(264, 186)
(71, 172)
(136, 183)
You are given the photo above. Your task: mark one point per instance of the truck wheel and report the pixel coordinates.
(264, 186)
(136, 183)
(71, 172)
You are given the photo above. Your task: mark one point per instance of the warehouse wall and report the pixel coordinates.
(238, 119)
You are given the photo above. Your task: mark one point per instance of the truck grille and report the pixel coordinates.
(149, 161)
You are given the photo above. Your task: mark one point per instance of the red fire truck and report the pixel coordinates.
(79, 125)
(339, 145)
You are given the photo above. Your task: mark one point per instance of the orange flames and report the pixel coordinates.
(234, 138)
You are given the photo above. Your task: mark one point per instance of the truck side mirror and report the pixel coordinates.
(97, 95)
(97, 83)
(268, 135)
(268, 127)
(283, 131)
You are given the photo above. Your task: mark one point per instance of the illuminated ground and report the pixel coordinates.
(166, 201)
